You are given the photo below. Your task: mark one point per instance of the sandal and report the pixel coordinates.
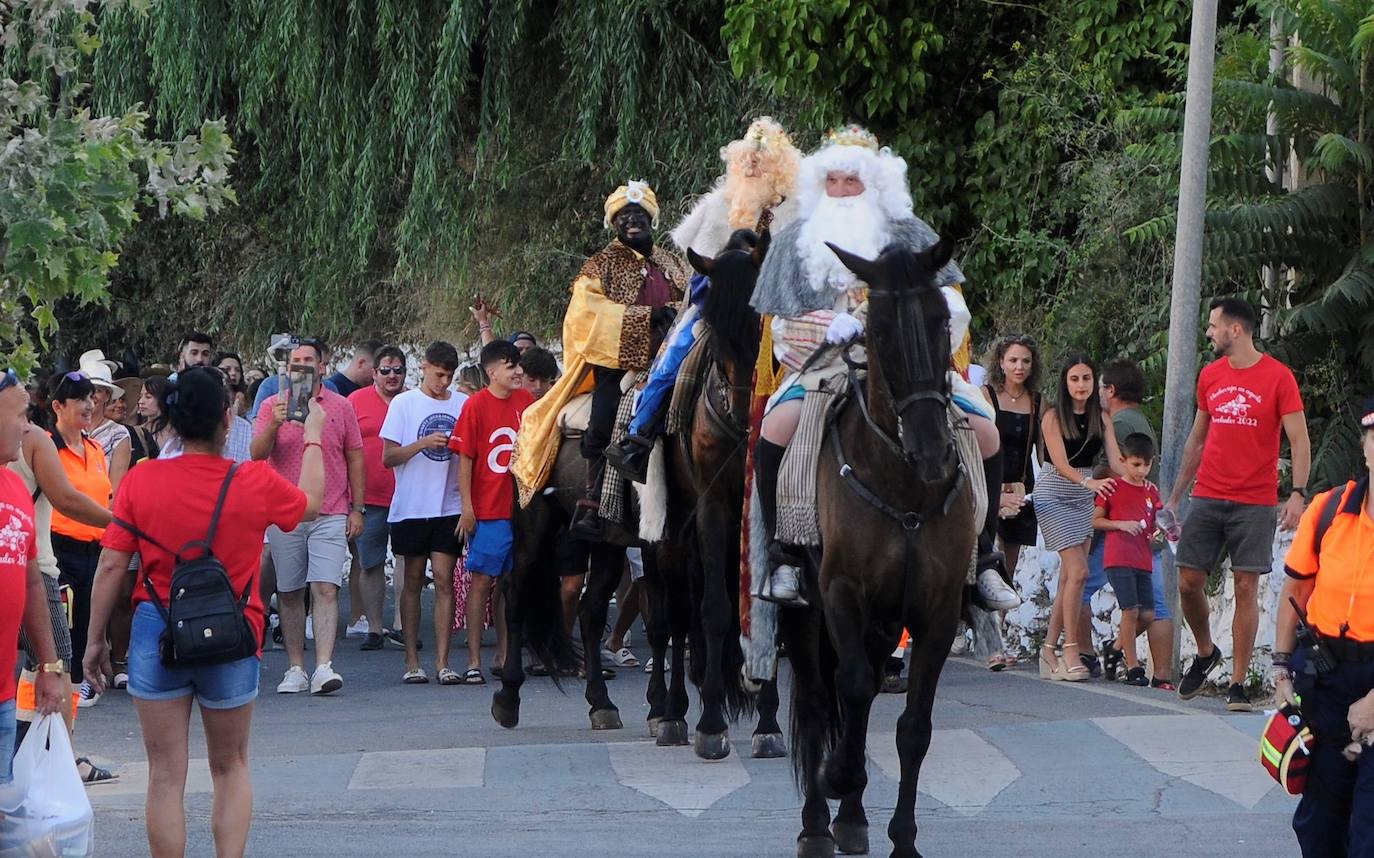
(474, 677)
(96, 775)
(1073, 672)
(496, 670)
(624, 658)
(1112, 656)
(415, 677)
(448, 676)
(534, 668)
(997, 662)
(1050, 667)
(1163, 685)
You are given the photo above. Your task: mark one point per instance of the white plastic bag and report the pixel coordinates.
(53, 816)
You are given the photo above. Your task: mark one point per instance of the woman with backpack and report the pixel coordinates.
(180, 537)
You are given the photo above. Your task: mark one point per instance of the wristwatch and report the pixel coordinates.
(1301, 491)
(53, 667)
(359, 509)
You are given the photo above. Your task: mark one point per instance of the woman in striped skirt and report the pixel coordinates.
(1075, 431)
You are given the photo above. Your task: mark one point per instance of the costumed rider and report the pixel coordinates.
(757, 192)
(621, 295)
(1330, 570)
(854, 195)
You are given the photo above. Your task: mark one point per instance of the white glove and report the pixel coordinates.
(843, 328)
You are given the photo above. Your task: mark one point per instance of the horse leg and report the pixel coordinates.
(673, 730)
(607, 565)
(930, 637)
(801, 630)
(851, 823)
(712, 741)
(658, 627)
(505, 703)
(856, 684)
(768, 740)
(534, 535)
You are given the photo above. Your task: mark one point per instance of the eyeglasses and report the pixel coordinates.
(9, 379)
(391, 370)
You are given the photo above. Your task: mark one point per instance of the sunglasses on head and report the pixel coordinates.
(391, 370)
(9, 379)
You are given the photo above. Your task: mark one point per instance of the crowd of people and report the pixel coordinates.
(431, 472)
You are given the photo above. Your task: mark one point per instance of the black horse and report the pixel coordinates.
(706, 465)
(898, 530)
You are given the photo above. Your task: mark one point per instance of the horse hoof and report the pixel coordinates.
(850, 838)
(653, 727)
(769, 746)
(606, 719)
(712, 746)
(671, 733)
(506, 716)
(815, 847)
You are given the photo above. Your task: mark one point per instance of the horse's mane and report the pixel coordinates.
(733, 322)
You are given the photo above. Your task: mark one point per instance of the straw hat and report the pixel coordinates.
(132, 389)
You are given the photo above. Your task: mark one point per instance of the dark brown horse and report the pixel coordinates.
(897, 526)
(705, 466)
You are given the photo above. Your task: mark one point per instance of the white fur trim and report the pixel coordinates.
(653, 498)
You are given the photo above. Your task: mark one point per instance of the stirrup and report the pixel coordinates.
(631, 457)
(781, 557)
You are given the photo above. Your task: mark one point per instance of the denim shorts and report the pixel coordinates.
(216, 686)
(1216, 528)
(1097, 577)
(372, 542)
(490, 548)
(8, 730)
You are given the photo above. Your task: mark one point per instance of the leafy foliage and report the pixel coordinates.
(74, 182)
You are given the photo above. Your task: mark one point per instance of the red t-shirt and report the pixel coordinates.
(18, 545)
(1240, 459)
(371, 410)
(485, 432)
(1130, 503)
(258, 497)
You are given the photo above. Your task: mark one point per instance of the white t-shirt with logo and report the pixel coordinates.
(427, 485)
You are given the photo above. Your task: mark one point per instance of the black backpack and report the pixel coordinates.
(205, 621)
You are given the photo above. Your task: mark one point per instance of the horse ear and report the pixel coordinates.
(940, 254)
(700, 263)
(761, 249)
(864, 269)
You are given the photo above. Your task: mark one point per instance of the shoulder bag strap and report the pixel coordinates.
(147, 581)
(1329, 510)
(219, 506)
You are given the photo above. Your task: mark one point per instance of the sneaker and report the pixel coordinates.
(372, 641)
(1236, 698)
(359, 629)
(309, 628)
(294, 681)
(784, 586)
(395, 638)
(121, 681)
(993, 592)
(1136, 676)
(325, 680)
(1191, 683)
(88, 698)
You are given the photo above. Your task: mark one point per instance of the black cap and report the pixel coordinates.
(515, 336)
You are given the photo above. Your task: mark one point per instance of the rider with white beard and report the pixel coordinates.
(854, 196)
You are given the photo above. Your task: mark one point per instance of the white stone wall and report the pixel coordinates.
(1037, 574)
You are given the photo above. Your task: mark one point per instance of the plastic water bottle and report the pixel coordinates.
(1168, 522)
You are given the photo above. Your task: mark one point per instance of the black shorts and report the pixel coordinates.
(1218, 528)
(573, 556)
(421, 537)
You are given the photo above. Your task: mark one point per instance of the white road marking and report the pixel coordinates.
(962, 769)
(133, 780)
(443, 768)
(1200, 749)
(675, 776)
(1159, 700)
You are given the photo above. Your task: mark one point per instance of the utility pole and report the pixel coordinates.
(1186, 295)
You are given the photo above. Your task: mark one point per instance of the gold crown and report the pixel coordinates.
(852, 135)
(766, 133)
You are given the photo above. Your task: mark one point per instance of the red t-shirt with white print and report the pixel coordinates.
(1240, 459)
(485, 432)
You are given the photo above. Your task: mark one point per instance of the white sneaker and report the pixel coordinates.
(785, 585)
(358, 629)
(294, 681)
(310, 628)
(995, 592)
(88, 697)
(121, 680)
(325, 680)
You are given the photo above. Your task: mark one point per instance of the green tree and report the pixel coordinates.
(74, 182)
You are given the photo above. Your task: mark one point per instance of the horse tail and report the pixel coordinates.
(815, 717)
(739, 702)
(535, 588)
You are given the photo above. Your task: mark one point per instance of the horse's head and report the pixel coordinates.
(909, 349)
(734, 323)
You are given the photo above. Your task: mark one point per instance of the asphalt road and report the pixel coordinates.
(1018, 766)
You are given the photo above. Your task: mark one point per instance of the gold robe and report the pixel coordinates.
(603, 327)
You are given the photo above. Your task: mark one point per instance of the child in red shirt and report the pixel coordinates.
(484, 438)
(1128, 517)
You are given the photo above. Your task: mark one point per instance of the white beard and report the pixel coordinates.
(856, 224)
